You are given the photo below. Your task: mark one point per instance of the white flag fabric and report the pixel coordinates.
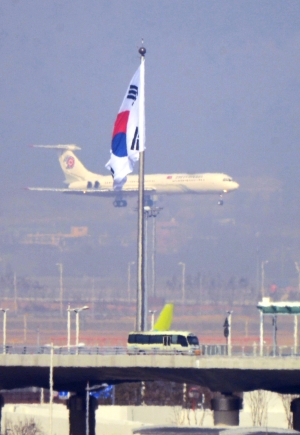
(125, 145)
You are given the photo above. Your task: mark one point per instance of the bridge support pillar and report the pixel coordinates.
(295, 408)
(226, 409)
(1, 406)
(78, 418)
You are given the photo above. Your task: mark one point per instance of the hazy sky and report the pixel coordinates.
(222, 87)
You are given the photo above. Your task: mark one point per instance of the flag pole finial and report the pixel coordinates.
(142, 51)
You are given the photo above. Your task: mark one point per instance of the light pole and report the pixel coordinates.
(25, 328)
(15, 293)
(87, 403)
(152, 212)
(4, 311)
(229, 330)
(298, 270)
(51, 383)
(38, 337)
(68, 326)
(60, 265)
(149, 212)
(183, 281)
(152, 312)
(77, 311)
(263, 263)
(131, 263)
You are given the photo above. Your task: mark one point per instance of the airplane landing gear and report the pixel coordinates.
(120, 203)
(148, 201)
(221, 202)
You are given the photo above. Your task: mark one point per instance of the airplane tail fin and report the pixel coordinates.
(165, 318)
(71, 166)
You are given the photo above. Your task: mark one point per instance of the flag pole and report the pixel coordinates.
(140, 312)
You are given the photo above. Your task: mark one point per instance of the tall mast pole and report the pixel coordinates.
(140, 312)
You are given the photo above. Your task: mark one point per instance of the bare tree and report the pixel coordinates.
(26, 427)
(286, 402)
(258, 402)
(177, 415)
(190, 417)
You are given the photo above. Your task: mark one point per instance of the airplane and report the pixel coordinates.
(81, 181)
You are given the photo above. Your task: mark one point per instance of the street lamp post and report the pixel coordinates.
(60, 265)
(229, 330)
(4, 310)
(15, 293)
(131, 263)
(263, 263)
(298, 270)
(183, 281)
(51, 383)
(152, 312)
(25, 328)
(153, 212)
(150, 212)
(68, 326)
(77, 311)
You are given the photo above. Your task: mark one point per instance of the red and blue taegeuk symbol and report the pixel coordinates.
(70, 162)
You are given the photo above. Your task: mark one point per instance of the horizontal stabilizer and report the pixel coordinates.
(165, 318)
(70, 147)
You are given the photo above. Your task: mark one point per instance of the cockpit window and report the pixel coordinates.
(227, 179)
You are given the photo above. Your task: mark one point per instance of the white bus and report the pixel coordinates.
(183, 342)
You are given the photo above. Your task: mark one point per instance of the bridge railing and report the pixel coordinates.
(249, 351)
(206, 350)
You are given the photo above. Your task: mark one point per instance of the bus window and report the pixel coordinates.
(156, 339)
(193, 340)
(182, 340)
(142, 339)
(174, 339)
(131, 338)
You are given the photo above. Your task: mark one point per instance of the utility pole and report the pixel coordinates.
(60, 265)
(263, 263)
(15, 293)
(183, 282)
(298, 270)
(4, 310)
(130, 263)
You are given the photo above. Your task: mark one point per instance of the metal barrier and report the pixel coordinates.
(206, 350)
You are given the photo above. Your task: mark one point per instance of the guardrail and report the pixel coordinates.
(206, 350)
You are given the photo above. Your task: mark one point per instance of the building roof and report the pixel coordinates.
(266, 306)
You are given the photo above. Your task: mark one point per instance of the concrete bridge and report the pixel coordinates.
(226, 374)
(219, 373)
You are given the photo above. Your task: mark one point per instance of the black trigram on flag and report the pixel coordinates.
(133, 92)
(135, 144)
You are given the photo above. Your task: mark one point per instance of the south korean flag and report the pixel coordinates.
(125, 145)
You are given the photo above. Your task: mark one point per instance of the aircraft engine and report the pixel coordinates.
(82, 185)
(97, 185)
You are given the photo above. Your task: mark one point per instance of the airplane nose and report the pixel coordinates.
(236, 185)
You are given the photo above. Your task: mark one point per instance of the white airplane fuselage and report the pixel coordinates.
(82, 181)
(217, 183)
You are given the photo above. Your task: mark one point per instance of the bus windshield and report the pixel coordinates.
(193, 340)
